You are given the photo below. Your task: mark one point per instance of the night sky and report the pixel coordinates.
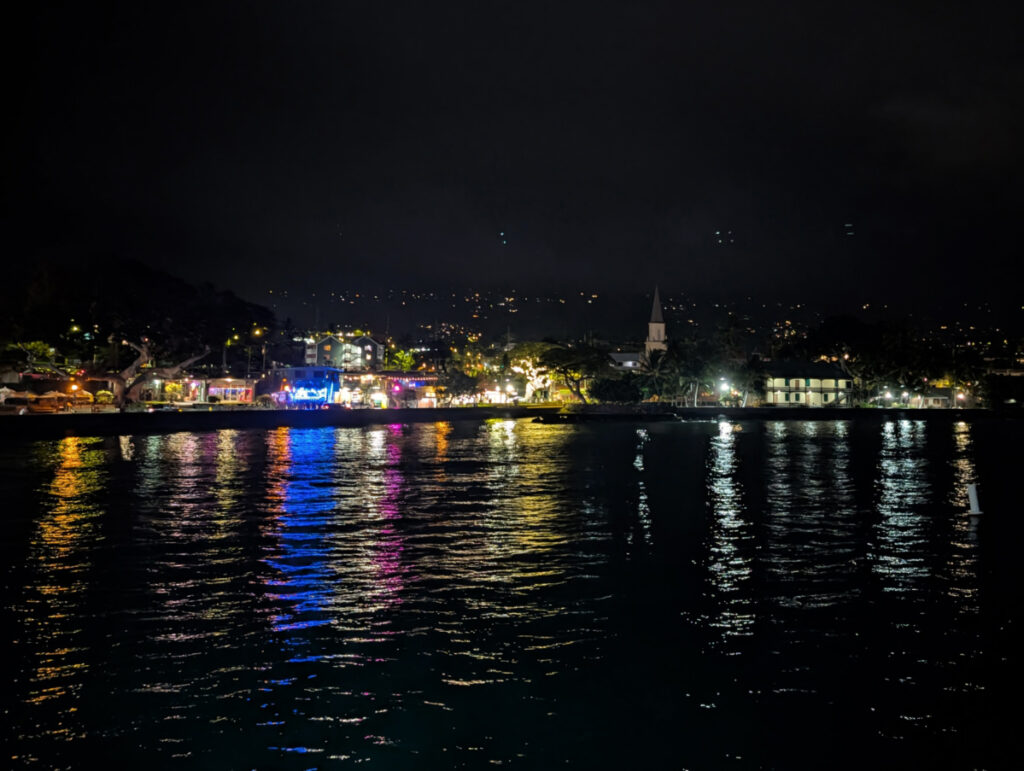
(837, 151)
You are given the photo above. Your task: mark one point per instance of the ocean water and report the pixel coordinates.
(782, 594)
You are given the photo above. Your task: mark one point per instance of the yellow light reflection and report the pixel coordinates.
(962, 564)
(59, 561)
(440, 434)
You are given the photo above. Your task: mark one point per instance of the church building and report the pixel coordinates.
(656, 341)
(655, 329)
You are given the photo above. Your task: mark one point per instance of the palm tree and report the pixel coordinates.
(694, 365)
(653, 368)
(749, 376)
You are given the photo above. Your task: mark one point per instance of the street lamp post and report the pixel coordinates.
(224, 353)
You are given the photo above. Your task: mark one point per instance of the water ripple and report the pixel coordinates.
(453, 595)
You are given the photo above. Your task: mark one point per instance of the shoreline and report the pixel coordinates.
(113, 424)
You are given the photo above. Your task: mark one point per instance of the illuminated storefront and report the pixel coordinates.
(231, 389)
(305, 386)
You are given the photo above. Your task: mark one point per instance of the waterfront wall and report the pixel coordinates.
(48, 426)
(112, 424)
(839, 413)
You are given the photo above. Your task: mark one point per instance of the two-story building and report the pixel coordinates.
(806, 384)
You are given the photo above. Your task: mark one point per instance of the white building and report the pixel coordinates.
(807, 384)
(626, 362)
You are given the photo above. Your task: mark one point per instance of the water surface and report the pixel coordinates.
(684, 595)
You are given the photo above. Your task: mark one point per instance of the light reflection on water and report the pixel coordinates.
(730, 549)
(811, 532)
(962, 563)
(60, 556)
(902, 493)
(500, 593)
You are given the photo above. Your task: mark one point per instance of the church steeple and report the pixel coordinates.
(655, 328)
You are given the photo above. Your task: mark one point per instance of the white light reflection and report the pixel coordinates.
(902, 491)
(730, 562)
(643, 507)
(502, 451)
(811, 542)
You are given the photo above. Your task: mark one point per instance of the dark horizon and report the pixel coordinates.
(801, 154)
